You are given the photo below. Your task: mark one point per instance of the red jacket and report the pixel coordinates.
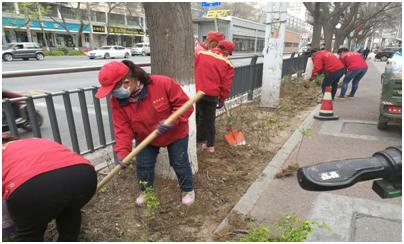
(137, 119)
(213, 73)
(324, 61)
(26, 158)
(353, 61)
(200, 47)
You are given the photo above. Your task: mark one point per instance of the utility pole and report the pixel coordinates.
(273, 53)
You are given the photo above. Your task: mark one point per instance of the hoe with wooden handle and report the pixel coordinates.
(150, 138)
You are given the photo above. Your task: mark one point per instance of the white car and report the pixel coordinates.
(113, 51)
(141, 49)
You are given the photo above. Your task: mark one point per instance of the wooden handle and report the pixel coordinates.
(226, 110)
(170, 120)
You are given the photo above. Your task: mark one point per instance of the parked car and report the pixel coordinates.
(386, 53)
(142, 48)
(390, 102)
(22, 50)
(113, 51)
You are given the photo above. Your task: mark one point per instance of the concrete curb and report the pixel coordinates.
(249, 199)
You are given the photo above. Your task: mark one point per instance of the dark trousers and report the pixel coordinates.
(332, 80)
(205, 120)
(179, 160)
(58, 194)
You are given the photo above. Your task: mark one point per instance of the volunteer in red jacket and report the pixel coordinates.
(213, 76)
(356, 68)
(211, 42)
(140, 103)
(324, 61)
(42, 181)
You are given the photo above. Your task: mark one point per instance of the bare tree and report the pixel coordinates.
(111, 7)
(172, 52)
(63, 23)
(347, 24)
(315, 11)
(330, 17)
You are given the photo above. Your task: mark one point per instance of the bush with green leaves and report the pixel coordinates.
(75, 53)
(54, 53)
(290, 227)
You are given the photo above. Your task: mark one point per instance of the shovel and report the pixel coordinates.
(150, 138)
(233, 137)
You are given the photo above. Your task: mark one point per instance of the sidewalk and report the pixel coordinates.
(355, 213)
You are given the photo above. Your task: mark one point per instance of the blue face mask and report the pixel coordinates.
(121, 92)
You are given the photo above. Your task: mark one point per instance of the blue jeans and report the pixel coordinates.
(354, 75)
(178, 156)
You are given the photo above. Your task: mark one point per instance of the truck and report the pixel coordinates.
(390, 102)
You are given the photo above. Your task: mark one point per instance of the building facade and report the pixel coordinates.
(121, 29)
(249, 36)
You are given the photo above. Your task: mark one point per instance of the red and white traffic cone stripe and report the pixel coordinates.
(326, 110)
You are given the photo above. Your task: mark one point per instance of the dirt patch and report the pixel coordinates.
(222, 179)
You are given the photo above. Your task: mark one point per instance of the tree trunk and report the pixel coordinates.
(45, 40)
(172, 54)
(328, 35)
(29, 35)
(339, 39)
(349, 43)
(315, 42)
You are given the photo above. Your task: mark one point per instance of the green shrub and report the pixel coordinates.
(75, 53)
(260, 234)
(291, 228)
(54, 53)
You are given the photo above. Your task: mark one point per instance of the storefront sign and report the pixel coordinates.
(97, 28)
(211, 14)
(47, 25)
(122, 30)
(211, 4)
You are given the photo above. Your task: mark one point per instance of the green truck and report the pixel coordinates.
(390, 103)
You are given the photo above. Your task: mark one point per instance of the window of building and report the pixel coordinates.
(100, 16)
(132, 20)
(8, 7)
(116, 19)
(68, 13)
(51, 9)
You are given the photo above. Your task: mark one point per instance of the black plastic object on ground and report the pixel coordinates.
(384, 166)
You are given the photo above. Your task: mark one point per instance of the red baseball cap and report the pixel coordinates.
(213, 35)
(109, 75)
(227, 46)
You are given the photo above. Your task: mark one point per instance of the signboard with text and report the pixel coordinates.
(211, 14)
(211, 4)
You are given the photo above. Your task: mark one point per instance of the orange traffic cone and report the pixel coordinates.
(326, 110)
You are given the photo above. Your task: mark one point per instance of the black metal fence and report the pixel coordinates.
(77, 119)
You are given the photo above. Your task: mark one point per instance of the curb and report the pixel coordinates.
(249, 199)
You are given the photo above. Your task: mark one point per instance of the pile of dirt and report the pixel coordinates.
(222, 179)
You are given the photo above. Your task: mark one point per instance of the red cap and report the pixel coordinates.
(213, 35)
(227, 46)
(109, 75)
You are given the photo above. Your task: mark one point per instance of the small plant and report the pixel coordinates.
(295, 230)
(306, 133)
(151, 201)
(260, 234)
(292, 229)
(319, 79)
(103, 189)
